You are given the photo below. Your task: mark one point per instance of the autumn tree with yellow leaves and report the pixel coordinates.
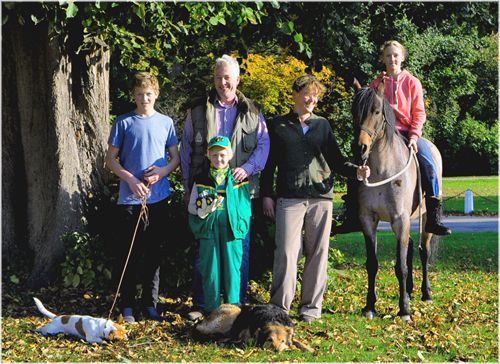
(268, 80)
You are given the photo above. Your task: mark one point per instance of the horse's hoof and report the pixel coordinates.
(426, 298)
(368, 314)
(406, 318)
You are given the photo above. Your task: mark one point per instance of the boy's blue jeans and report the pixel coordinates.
(199, 299)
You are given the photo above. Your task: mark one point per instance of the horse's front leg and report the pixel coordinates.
(425, 253)
(370, 234)
(401, 226)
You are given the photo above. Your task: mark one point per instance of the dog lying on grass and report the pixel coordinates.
(267, 325)
(91, 329)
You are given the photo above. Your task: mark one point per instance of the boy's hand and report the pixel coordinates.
(217, 202)
(206, 208)
(138, 188)
(153, 174)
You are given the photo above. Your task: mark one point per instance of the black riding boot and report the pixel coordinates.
(351, 216)
(433, 224)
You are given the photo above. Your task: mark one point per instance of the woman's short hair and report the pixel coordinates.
(229, 61)
(393, 43)
(309, 82)
(144, 80)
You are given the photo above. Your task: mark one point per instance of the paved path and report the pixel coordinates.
(459, 224)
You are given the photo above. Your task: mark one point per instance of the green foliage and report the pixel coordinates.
(480, 138)
(448, 65)
(453, 50)
(85, 265)
(336, 258)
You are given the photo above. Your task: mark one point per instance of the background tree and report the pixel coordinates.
(54, 127)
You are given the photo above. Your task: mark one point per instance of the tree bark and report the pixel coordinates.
(55, 125)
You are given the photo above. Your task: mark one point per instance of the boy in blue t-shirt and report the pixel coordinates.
(139, 146)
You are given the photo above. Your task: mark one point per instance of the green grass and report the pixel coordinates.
(460, 324)
(485, 191)
(459, 251)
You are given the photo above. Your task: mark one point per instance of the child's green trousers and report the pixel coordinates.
(220, 259)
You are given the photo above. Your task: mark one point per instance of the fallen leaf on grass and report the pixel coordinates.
(420, 356)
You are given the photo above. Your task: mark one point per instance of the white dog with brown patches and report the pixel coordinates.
(91, 329)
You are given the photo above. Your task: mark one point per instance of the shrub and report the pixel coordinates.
(85, 265)
(268, 80)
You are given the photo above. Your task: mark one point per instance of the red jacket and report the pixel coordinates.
(404, 93)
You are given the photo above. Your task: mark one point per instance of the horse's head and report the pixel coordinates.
(368, 116)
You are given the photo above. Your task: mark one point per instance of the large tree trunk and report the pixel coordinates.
(55, 123)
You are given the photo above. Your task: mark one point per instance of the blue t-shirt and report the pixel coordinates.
(143, 142)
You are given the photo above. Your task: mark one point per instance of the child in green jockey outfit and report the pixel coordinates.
(219, 216)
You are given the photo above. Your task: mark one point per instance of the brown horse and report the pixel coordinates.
(384, 150)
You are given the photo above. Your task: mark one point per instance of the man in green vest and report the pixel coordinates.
(224, 111)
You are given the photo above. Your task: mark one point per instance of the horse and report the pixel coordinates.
(385, 151)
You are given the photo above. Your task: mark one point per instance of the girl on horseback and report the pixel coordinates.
(404, 93)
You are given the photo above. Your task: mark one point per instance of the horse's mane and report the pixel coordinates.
(362, 104)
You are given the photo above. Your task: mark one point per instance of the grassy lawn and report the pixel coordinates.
(485, 194)
(459, 325)
(485, 191)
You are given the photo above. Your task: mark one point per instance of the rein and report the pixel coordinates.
(387, 180)
(144, 217)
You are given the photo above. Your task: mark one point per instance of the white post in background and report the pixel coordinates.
(469, 202)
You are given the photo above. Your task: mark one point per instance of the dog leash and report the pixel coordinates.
(144, 217)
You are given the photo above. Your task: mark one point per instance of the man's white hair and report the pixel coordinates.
(229, 61)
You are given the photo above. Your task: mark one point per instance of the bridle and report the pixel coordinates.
(373, 133)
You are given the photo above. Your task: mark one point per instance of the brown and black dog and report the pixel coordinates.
(268, 325)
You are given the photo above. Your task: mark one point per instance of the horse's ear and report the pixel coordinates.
(356, 84)
(381, 87)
